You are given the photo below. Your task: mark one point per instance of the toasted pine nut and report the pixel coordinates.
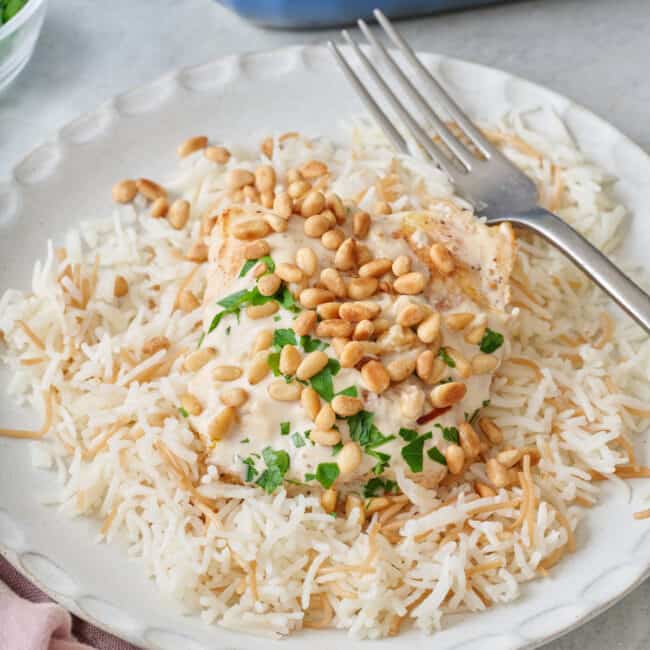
(338, 344)
(120, 286)
(256, 249)
(351, 354)
(227, 373)
(265, 178)
(345, 406)
(258, 368)
(283, 205)
(234, 397)
(361, 224)
(285, 392)
(198, 252)
(491, 430)
(484, 490)
(381, 207)
(207, 224)
(317, 225)
(278, 224)
(267, 199)
(187, 301)
(484, 363)
(412, 315)
(362, 254)
(288, 272)
(376, 268)
(352, 503)
(307, 261)
(401, 265)
(159, 207)
(298, 189)
(313, 203)
(363, 330)
(411, 402)
(290, 359)
(345, 256)
(429, 328)
(475, 335)
(150, 190)
(155, 344)
(362, 288)
(424, 366)
(335, 204)
(326, 418)
(375, 377)
(313, 296)
(455, 457)
(263, 340)
(377, 504)
(441, 258)
(448, 394)
(305, 322)
(332, 239)
(250, 229)
(313, 169)
(332, 279)
(266, 147)
(197, 359)
(262, 311)
(191, 404)
(326, 438)
(334, 327)
(328, 310)
(311, 365)
(124, 191)
(400, 369)
(410, 283)
(469, 440)
(509, 457)
(310, 402)
(219, 155)
(192, 144)
(458, 320)
(349, 458)
(358, 311)
(294, 175)
(463, 367)
(221, 423)
(497, 473)
(236, 179)
(179, 213)
(328, 500)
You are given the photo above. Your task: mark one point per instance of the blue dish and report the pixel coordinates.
(305, 14)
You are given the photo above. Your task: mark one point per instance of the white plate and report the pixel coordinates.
(136, 133)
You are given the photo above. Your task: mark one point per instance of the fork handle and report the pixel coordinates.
(628, 295)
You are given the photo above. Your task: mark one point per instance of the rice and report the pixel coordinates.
(576, 389)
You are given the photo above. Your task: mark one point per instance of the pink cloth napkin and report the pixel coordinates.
(29, 620)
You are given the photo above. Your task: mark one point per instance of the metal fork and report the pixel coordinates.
(498, 190)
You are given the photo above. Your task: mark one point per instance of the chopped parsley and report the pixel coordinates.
(436, 455)
(309, 344)
(446, 358)
(298, 440)
(472, 418)
(336, 448)
(277, 318)
(450, 434)
(309, 476)
(244, 441)
(491, 341)
(282, 337)
(183, 412)
(412, 453)
(408, 434)
(284, 428)
(249, 264)
(274, 363)
(323, 383)
(363, 431)
(350, 391)
(446, 381)
(377, 485)
(251, 471)
(277, 465)
(201, 339)
(327, 473)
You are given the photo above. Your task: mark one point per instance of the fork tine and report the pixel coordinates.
(411, 125)
(386, 125)
(458, 149)
(455, 112)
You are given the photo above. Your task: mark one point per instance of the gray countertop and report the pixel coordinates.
(596, 52)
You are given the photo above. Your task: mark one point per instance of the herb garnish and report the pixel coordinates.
(376, 485)
(284, 428)
(363, 431)
(322, 382)
(249, 264)
(309, 344)
(298, 440)
(282, 337)
(350, 391)
(450, 434)
(245, 440)
(491, 341)
(443, 354)
(327, 473)
(251, 471)
(336, 448)
(408, 434)
(412, 453)
(436, 455)
(472, 418)
(277, 464)
(183, 412)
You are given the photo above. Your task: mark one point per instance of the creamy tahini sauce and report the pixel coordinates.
(261, 416)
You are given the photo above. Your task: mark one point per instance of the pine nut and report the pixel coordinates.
(263, 340)
(484, 490)
(463, 367)
(124, 191)
(265, 178)
(159, 208)
(424, 366)
(361, 224)
(236, 196)
(459, 320)
(345, 406)
(400, 369)
(192, 144)
(455, 457)
(288, 272)
(375, 377)
(328, 310)
(221, 423)
(258, 368)
(411, 402)
(363, 254)
(332, 279)
(352, 503)
(484, 363)
(334, 327)
(344, 259)
(335, 204)
(198, 252)
(187, 301)
(207, 224)
(325, 419)
(410, 283)
(191, 404)
(362, 288)
(491, 430)
(250, 229)
(290, 359)
(429, 329)
(267, 199)
(509, 457)
(401, 265)
(439, 369)
(448, 394)
(266, 147)
(305, 322)
(262, 311)
(363, 330)
(338, 344)
(278, 224)
(328, 500)
(298, 189)
(294, 175)
(150, 190)
(317, 225)
(377, 504)
(313, 203)
(281, 391)
(256, 249)
(307, 261)
(442, 259)
(120, 286)
(311, 365)
(497, 473)
(412, 315)
(371, 348)
(234, 397)
(351, 354)
(219, 155)
(376, 268)
(310, 402)
(332, 239)
(349, 458)
(155, 344)
(312, 297)
(179, 214)
(325, 438)
(475, 335)
(358, 311)
(227, 373)
(237, 179)
(313, 169)
(197, 359)
(283, 205)
(469, 440)
(381, 207)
